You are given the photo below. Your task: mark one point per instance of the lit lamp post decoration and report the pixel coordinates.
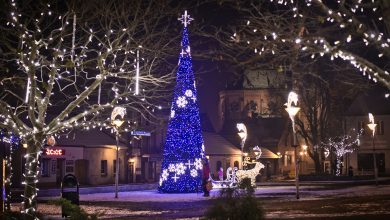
(242, 132)
(372, 126)
(292, 111)
(117, 123)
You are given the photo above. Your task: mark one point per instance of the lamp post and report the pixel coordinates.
(292, 111)
(242, 132)
(372, 126)
(303, 154)
(117, 123)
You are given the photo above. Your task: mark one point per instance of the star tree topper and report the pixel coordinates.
(185, 19)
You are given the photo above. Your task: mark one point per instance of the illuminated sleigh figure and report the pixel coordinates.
(234, 176)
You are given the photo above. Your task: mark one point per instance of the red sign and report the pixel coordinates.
(53, 152)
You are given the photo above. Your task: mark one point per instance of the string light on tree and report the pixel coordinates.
(341, 145)
(354, 30)
(68, 68)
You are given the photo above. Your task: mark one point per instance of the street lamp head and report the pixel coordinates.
(242, 132)
(372, 124)
(292, 111)
(117, 123)
(115, 112)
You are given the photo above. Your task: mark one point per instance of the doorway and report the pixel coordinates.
(131, 172)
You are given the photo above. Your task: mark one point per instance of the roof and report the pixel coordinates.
(206, 123)
(372, 102)
(215, 144)
(265, 153)
(90, 138)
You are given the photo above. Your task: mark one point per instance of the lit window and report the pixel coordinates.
(103, 167)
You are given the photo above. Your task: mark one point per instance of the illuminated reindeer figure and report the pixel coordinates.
(252, 173)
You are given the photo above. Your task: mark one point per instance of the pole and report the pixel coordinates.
(242, 154)
(296, 164)
(3, 192)
(375, 168)
(117, 164)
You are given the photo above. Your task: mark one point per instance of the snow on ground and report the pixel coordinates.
(308, 192)
(143, 204)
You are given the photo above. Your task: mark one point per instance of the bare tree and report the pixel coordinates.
(66, 65)
(294, 35)
(330, 49)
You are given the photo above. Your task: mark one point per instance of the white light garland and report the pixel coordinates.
(175, 170)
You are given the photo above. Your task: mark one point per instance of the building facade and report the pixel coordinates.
(362, 160)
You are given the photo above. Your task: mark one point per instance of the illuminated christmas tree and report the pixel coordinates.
(183, 149)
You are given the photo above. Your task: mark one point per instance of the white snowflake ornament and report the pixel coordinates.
(181, 102)
(172, 113)
(188, 93)
(180, 168)
(164, 174)
(198, 164)
(194, 173)
(171, 167)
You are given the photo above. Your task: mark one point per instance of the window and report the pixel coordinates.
(45, 168)
(54, 166)
(361, 127)
(219, 165)
(236, 164)
(151, 170)
(103, 167)
(380, 128)
(227, 163)
(69, 166)
(288, 159)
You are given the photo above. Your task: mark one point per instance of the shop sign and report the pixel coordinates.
(140, 133)
(53, 152)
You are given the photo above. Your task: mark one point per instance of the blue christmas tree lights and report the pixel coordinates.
(183, 149)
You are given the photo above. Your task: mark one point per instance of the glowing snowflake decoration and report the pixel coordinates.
(194, 173)
(172, 113)
(198, 164)
(181, 102)
(180, 168)
(164, 174)
(188, 93)
(171, 167)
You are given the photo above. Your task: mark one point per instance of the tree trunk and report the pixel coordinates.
(34, 145)
(317, 162)
(338, 165)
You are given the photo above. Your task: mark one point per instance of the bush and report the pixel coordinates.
(236, 203)
(73, 211)
(11, 215)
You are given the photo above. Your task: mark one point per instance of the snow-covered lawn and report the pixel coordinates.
(286, 192)
(278, 201)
